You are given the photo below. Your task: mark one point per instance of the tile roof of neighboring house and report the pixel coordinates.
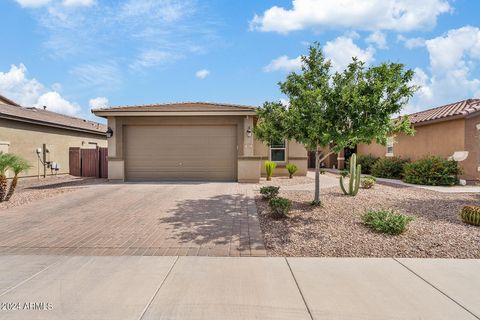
(5, 100)
(180, 107)
(49, 118)
(458, 109)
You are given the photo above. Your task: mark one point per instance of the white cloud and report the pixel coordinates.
(106, 76)
(341, 51)
(32, 3)
(411, 43)
(30, 92)
(202, 74)
(284, 63)
(153, 58)
(56, 103)
(398, 15)
(66, 3)
(166, 10)
(78, 3)
(378, 38)
(99, 102)
(454, 59)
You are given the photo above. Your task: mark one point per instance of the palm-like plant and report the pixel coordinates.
(6, 161)
(18, 165)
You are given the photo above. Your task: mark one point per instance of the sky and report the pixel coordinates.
(75, 55)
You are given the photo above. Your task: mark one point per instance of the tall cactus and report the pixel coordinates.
(354, 182)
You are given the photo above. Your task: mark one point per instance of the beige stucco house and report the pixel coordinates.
(452, 130)
(191, 141)
(41, 136)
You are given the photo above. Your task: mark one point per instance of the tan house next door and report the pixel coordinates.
(176, 152)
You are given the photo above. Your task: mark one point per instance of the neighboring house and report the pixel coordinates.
(448, 131)
(191, 141)
(41, 136)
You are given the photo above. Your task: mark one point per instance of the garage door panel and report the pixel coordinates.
(181, 153)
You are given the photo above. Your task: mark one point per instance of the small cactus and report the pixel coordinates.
(354, 182)
(471, 215)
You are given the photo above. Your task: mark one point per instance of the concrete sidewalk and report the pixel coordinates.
(134, 287)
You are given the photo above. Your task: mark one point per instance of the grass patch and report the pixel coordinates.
(386, 221)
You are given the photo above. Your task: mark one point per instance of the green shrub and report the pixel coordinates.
(471, 215)
(269, 168)
(344, 173)
(322, 171)
(291, 168)
(391, 168)
(366, 161)
(386, 221)
(367, 182)
(433, 171)
(269, 192)
(280, 207)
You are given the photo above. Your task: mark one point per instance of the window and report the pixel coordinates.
(278, 151)
(390, 147)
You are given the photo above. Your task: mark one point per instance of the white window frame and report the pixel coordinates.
(276, 148)
(389, 147)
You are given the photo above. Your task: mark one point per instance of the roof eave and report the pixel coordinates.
(120, 113)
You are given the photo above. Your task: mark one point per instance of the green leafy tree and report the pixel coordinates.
(331, 111)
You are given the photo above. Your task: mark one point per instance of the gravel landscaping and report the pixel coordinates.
(32, 189)
(335, 229)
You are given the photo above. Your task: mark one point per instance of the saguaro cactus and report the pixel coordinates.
(354, 182)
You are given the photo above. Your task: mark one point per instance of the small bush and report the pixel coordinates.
(366, 161)
(322, 171)
(433, 171)
(344, 173)
(291, 168)
(269, 192)
(269, 168)
(280, 207)
(390, 168)
(471, 215)
(367, 182)
(386, 221)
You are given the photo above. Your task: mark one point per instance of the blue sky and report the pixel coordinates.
(72, 55)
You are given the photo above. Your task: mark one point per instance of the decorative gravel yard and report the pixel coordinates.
(336, 230)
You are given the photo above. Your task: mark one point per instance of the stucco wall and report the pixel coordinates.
(296, 154)
(472, 143)
(25, 139)
(441, 139)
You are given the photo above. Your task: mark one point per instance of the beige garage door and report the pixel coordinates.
(181, 153)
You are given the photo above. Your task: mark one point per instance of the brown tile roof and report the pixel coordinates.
(457, 109)
(5, 100)
(181, 107)
(49, 118)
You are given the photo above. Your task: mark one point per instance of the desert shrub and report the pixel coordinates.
(471, 215)
(433, 171)
(291, 168)
(367, 182)
(322, 171)
(344, 173)
(391, 168)
(386, 221)
(269, 192)
(280, 207)
(366, 161)
(269, 168)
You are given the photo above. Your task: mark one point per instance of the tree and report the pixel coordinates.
(6, 161)
(332, 111)
(18, 165)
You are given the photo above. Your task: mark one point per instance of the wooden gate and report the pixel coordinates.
(89, 162)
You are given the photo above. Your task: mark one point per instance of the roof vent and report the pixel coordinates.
(44, 107)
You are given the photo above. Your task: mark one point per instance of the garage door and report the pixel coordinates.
(181, 153)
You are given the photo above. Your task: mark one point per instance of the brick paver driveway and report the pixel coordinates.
(216, 219)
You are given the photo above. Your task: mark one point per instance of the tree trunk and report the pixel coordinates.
(317, 177)
(11, 190)
(3, 187)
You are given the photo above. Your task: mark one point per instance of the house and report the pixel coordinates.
(191, 141)
(450, 131)
(43, 137)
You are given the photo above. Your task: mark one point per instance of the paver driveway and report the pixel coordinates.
(216, 219)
